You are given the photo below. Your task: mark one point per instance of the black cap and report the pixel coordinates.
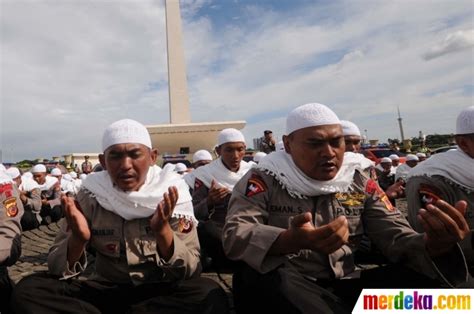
(267, 132)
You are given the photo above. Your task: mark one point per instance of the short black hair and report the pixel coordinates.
(267, 132)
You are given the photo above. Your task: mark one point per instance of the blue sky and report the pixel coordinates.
(69, 68)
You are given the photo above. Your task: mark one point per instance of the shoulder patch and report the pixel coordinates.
(428, 194)
(185, 225)
(197, 184)
(255, 185)
(371, 186)
(10, 207)
(386, 201)
(6, 189)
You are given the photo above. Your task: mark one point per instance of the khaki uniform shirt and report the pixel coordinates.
(11, 211)
(420, 192)
(126, 251)
(260, 209)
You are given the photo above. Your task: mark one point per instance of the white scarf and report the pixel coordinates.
(141, 203)
(48, 183)
(402, 171)
(4, 178)
(216, 171)
(280, 165)
(28, 185)
(454, 165)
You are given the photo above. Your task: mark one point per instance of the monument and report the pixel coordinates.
(182, 136)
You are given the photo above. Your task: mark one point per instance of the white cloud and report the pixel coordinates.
(457, 41)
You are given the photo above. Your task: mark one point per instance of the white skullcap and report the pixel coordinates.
(180, 167)
(2, 168)
(310, 115)
(230, 135)
(56, 172)
(385, 159)
(202, 155)
(279, 146)
(423, 155)
(13, 172)
(67, 177)
(349, 128)
(465, 121)
(27, 175)
(125, 131)
(83, 176)
(38, 168)
(394, 157)
(411, 157)
(258, 156)
(73, 174)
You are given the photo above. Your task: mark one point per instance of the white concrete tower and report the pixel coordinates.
(177, 84)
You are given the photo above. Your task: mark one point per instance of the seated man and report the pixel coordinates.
(213, 184)
(297, 218)
(50, 189)
(139, 220)
(11, 211)
(448, 176)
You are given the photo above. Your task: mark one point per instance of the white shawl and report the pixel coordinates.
(28, 185)
(141, 203)
(454, 165)
(216, 170)
(48, 183)
(280, 165)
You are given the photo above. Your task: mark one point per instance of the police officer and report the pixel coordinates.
(297, 218)
(139, 220)
(11, 211)
(447, 176)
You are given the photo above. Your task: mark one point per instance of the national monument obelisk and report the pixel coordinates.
(182, 136)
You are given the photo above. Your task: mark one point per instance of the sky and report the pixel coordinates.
(69, 68)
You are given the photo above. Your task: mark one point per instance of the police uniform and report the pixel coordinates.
(32, 205)
(11, 211)
(129, 272)
(423, 190)
(260, 209)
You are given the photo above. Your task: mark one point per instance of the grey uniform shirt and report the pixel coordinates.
(420, 191)
(126, 250)
(260, 209)
(11, 211)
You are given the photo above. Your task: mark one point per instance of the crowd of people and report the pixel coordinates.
(288, 225)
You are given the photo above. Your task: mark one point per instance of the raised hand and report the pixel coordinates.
(164, 210)
(216, 194)
(444, 226)
(77, 223)
(303, 235)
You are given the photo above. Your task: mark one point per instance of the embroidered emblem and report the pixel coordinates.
(197, 184)
(10, 207)
(384, 198)
(371, 186)
(185, 225)
(111, 247)
(255, 185)
(350, 199)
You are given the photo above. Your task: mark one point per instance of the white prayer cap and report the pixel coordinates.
(38, 168)
(394, 157)
(180, 167)
(56, 172)
(125, 131)
(421, 155)
(2, 168)
(258, 156)
(67, 177)
(310, 115)
(279, 146)
(385, 159)
(230, 135)
(13, 172)
(411, 157)
(83, 176)
(349, 128)
(202, 155)
(465, 121)
(27, 175)
(73, 174)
